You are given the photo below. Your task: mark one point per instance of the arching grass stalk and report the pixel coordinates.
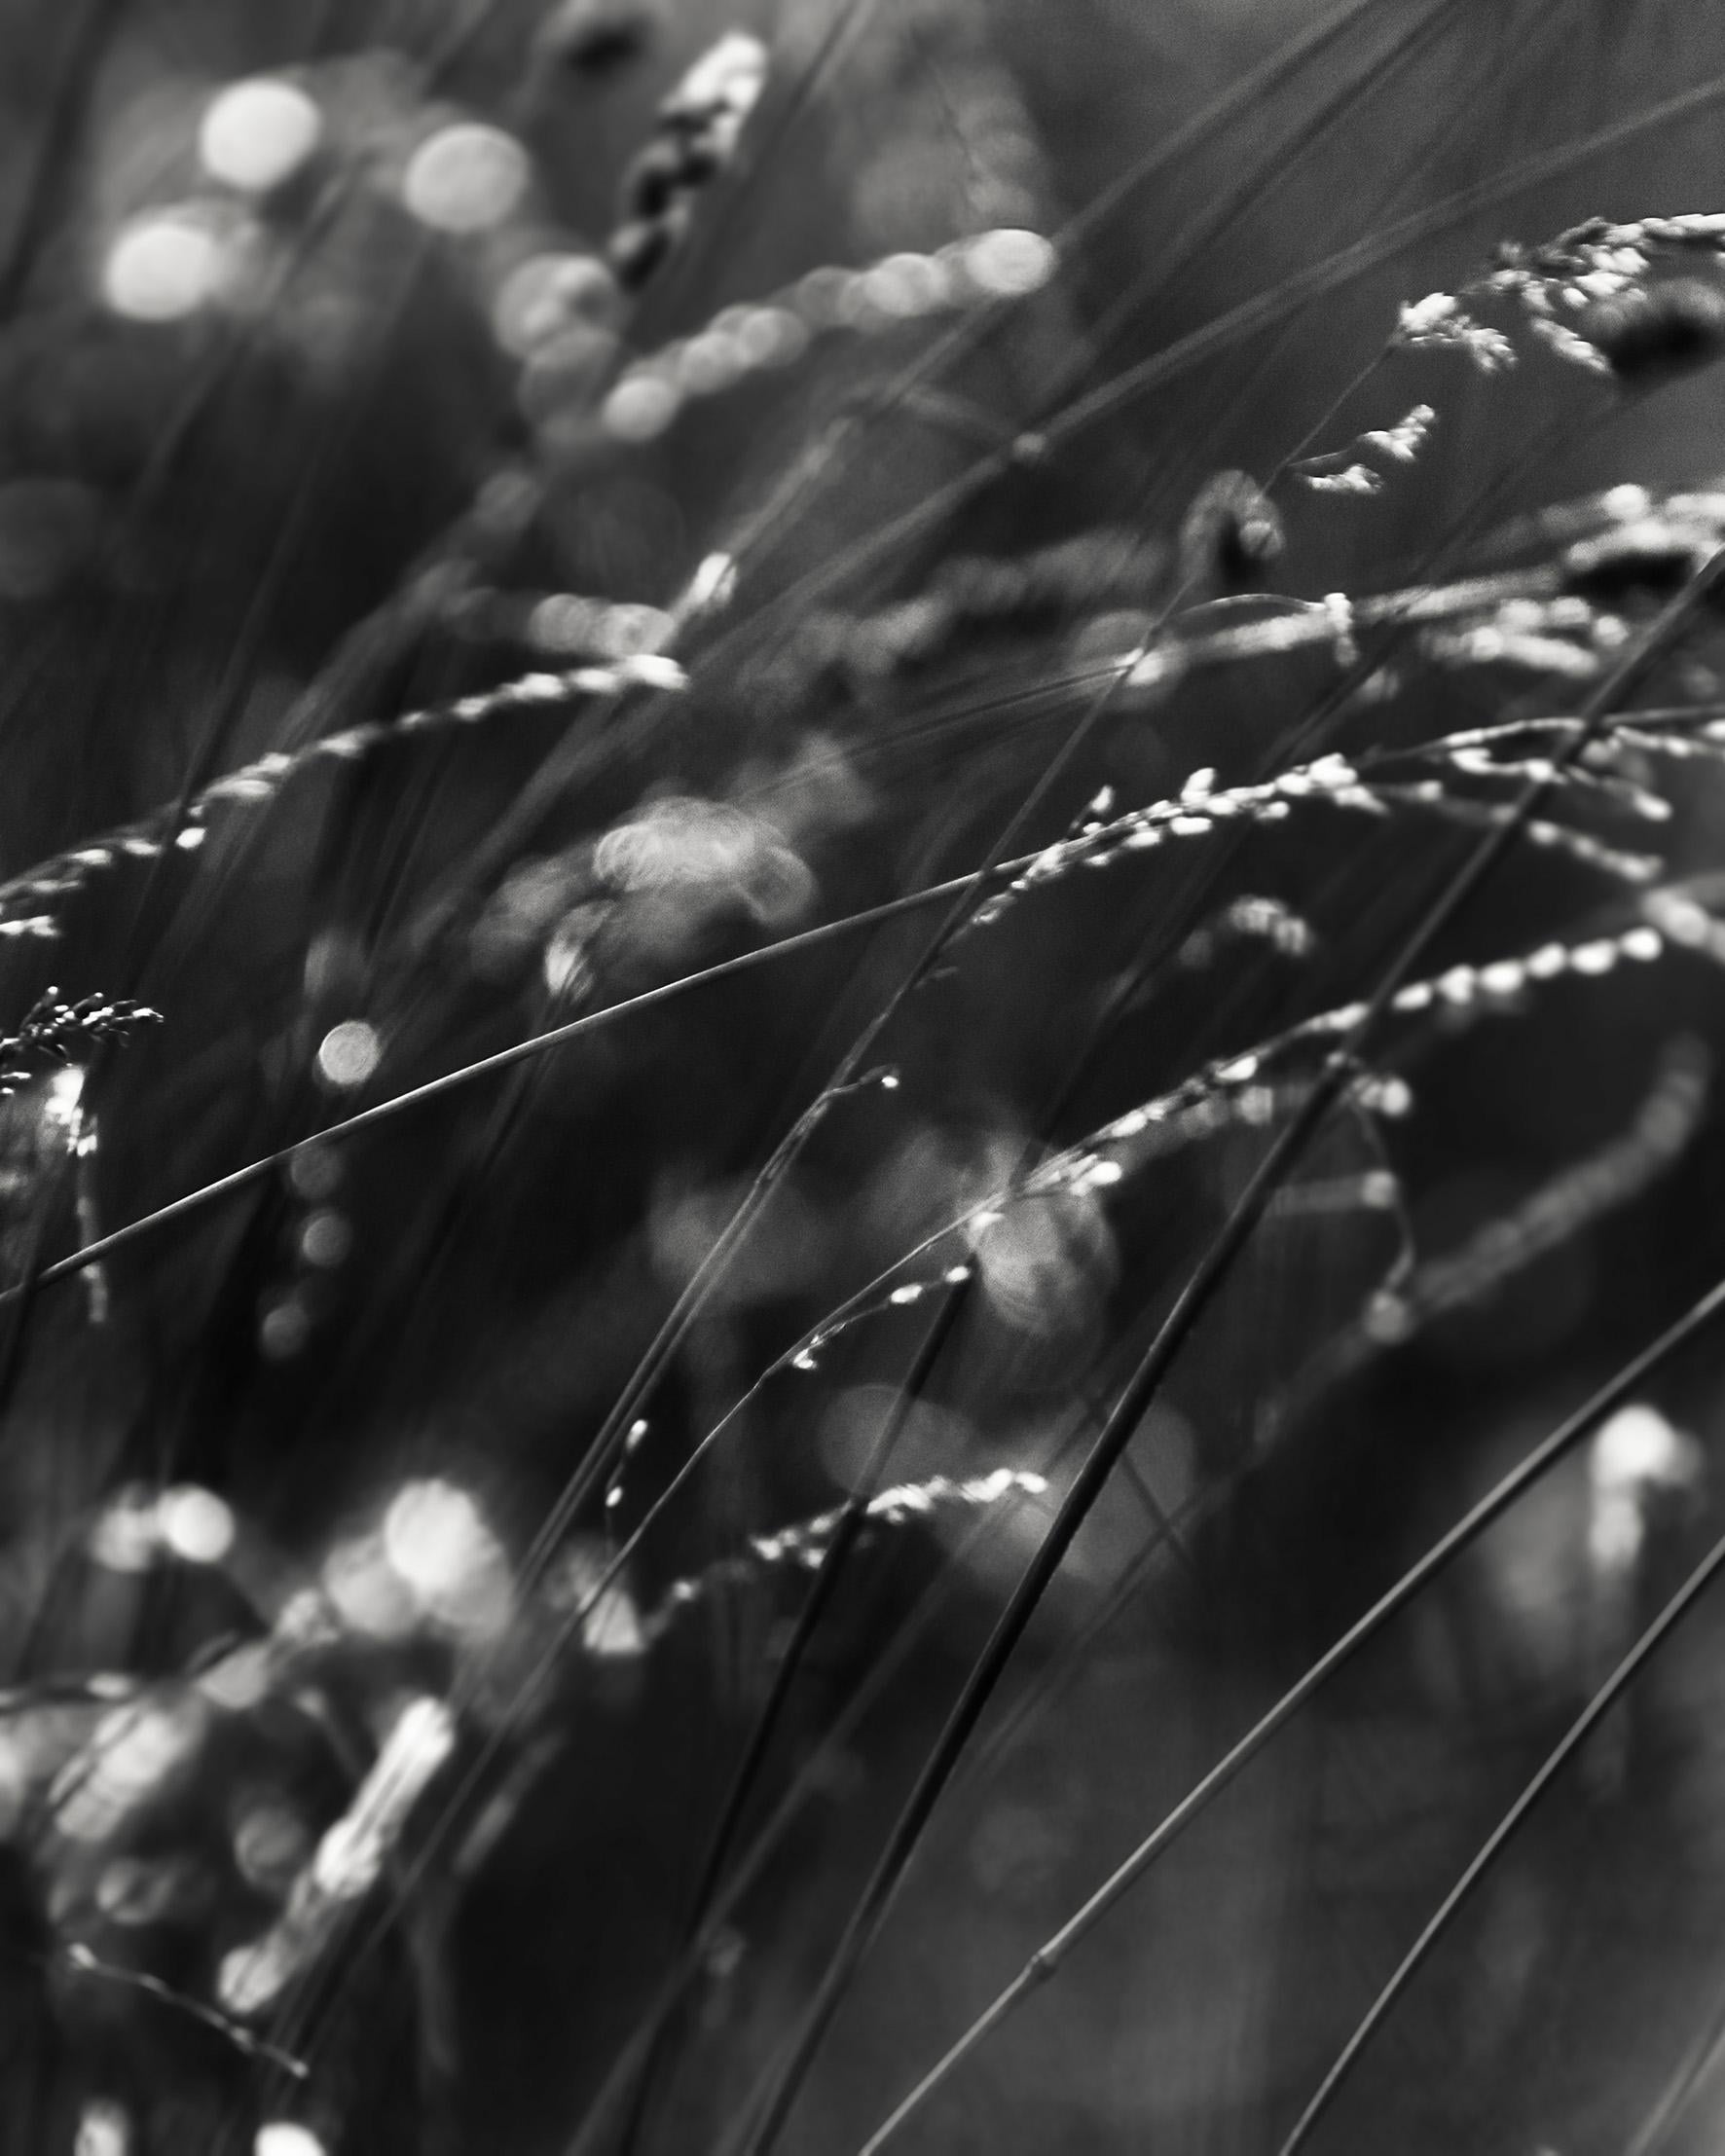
(575, 756)
(1191, 1093)
(1206, 1278)
(1492, 1847)
(1333, 273)
(607, 1445)
(1312, 43)
(502, 1059)
(931, 1607)
(854, 1514)
(699, 1290)
(968, 886)
(1050, 1957)
(853, 1518)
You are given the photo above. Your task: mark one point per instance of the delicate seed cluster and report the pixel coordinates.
(256, 783)
(1570, 1203)
(1532, 634)
(54, 1034)
(1655, 552)
(1684, 922)
(1664, 1125)
(1441, 323)
(1609, 860)
(1196, 1115)
(803, 1545)
(1200, 1104)
(1256, 919)
(805, 1356)
(1590, 296)
(1196, 812)
(971, 592)
(346, 1863)
(562, 624)
(1372, 1190)
(1344, 471)
(1585, 296)
(698, 130)
(1503, 980)
(745, 341)
(1230, 535)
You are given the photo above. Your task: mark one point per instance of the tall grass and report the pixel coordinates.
(859, 994)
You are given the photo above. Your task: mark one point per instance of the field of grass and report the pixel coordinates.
(862, 903)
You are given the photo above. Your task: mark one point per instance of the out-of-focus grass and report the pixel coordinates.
(480, 544)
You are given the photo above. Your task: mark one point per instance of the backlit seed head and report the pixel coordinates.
(1657, 330)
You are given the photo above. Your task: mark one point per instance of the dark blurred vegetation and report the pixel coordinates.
(324, 408)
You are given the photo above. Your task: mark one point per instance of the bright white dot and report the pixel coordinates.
(625, 632)
(772, 337)
(136, 1891)
(1626, 504)
(821, 296)
(286, 2138)
(640, 407)
(568, 963)
(65, 1089)
(248, 1978)
(254, 134)
(1639, 1449)
(562, 622)
(314, 1174)
(610, 1625)
(128, 1536)
(194, 1523)
(132, 1752)
(1008, 263)
(367, 1593)
(440, 1547)
(165, 265)
(714, 583)
(326, 1238)
(270, 1844)
(284, 1328)
(564, 375)
(103, 2130)
(907, 284)
(709, 363)
(431, 1532)
(351, 1854)
(239, 1681)
(466, 178)
(15, 1765)
(348, 1053)
(549, 293)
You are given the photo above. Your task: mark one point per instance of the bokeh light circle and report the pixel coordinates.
(466, 178)
(256, 133)
(166, 264)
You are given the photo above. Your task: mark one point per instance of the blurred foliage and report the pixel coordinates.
(505, 507)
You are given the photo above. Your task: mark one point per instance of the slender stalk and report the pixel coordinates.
(1193, 1300)
(49, 175)
(538, 1043)
(1699, 2058)
(1499, 1839)
(1050, 1957)
(1242, 96)
(1237, 326)
(852, 1518)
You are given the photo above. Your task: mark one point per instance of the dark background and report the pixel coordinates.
(205, 521)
